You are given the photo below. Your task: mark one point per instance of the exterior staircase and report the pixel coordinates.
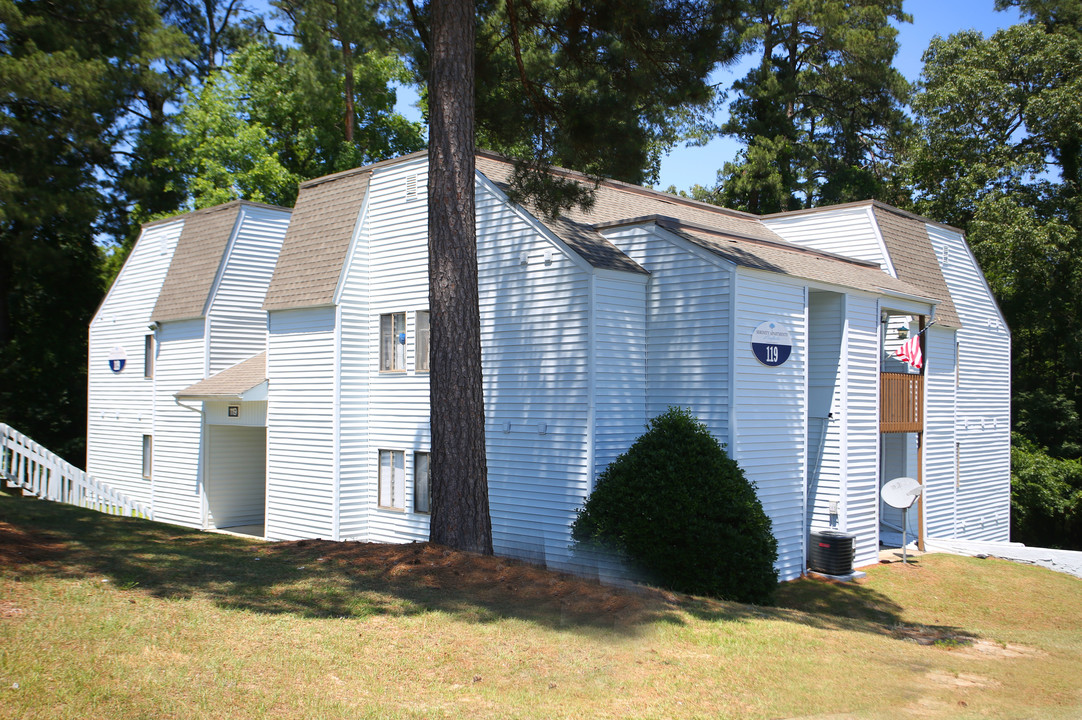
(26, 465)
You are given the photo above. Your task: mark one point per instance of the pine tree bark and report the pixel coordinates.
(458, 472)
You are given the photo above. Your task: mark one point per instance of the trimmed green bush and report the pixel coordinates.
(680, 509)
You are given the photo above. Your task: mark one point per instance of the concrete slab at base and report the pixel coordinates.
(849, 577)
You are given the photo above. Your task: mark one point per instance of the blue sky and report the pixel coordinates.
(684, 167)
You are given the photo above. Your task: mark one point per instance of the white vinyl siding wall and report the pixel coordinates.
(939, 433)
(983, 399)
(300, 424)
(120, 406)
(619, 364)
(178, 429)
(860, 426)
(388, 276)
(851, 231)
(357, 494)
(535, 342)
(826, 319)
(236, 321)
(235, 475)
(770, 411)
(688, 310)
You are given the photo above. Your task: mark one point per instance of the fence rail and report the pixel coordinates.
(901, 398)
(44, 474)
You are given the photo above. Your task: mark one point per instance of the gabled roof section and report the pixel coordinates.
(780, 256)
(200, 248)
(234, 383)
(905, 236)
(615, 202)
(914, 259)
(314, 250)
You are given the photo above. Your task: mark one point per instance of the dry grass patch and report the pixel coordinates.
(130, 619)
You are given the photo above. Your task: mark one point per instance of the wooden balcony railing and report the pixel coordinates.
(901, 398)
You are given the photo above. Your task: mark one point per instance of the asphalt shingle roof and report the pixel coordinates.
(232, 382)
(914, 260)
(315, 247)
(195, 262)
(314, 250)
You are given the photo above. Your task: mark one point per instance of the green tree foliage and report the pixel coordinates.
(821, 114)
(599, 87)
(681, 509)
(68, 73)
(229, 143)
(1046, 497)
(273, 116)
(998, 155)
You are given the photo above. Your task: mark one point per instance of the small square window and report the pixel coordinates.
(421, 483)
(148, 455)
(392, 479)
(392, 342)
(422, 341)
(148, 356)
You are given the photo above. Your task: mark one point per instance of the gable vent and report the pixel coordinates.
(411, 187)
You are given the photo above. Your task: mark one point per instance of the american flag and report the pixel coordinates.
(910, 352)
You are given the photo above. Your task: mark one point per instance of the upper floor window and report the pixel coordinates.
(392, 342)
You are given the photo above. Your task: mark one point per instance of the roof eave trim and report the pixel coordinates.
(255, 393)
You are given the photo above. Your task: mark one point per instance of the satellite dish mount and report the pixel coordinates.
(901, 493)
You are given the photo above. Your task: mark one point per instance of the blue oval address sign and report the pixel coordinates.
(771, 344)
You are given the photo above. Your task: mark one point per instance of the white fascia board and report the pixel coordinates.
(908, 304)
(536, 224)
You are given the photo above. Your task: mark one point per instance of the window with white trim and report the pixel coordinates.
(421, 483)
(148, 455)
(421, 342)
(392, 342)
(392, 479)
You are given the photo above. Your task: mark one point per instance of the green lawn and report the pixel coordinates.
(104, 617)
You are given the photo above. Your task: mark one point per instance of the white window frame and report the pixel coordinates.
(391, 488)
(392, 346)
(422, 483)
(148, 456)
(422, 337)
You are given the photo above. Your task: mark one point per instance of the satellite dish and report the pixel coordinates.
(901, 492)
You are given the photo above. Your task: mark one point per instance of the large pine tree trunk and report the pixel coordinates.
(459, 473)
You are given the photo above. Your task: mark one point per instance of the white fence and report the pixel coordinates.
(40, 472)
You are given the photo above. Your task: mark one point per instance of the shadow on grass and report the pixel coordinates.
(321, 579)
